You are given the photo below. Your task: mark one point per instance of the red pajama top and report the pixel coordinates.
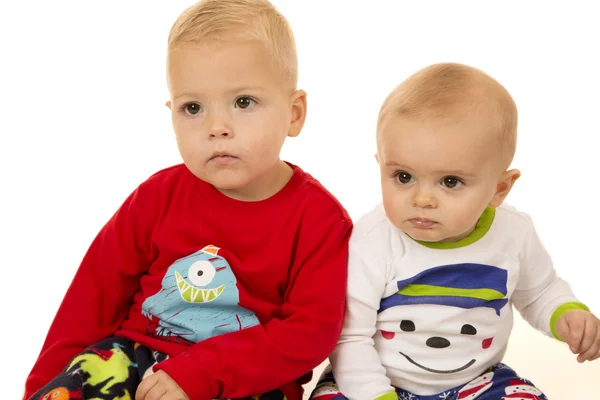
(244, 297)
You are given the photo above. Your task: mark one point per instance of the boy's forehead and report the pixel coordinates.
(436, 146)
(226, 66)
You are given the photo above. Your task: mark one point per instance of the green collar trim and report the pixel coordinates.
(483, 226)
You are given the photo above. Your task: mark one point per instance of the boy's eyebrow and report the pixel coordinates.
(186, 94)
(239, 89)
(392, 164)
(395, 164)
(456, 173)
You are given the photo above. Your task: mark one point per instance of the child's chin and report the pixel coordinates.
(227, 180)
(425, 235)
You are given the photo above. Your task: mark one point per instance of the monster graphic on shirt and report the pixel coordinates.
(444, 319)
(199, 299)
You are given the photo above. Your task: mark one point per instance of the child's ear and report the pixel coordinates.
(168, 104)
(507, 180)
(298, 113)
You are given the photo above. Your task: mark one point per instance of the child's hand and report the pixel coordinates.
(581, 331)
(160, 386)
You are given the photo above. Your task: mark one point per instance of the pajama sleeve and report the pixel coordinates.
(541, 296)
(355, 362)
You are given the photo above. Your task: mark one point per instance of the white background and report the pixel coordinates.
(83, 122)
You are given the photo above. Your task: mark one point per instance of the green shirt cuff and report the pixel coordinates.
(560, 310)
(388, 396)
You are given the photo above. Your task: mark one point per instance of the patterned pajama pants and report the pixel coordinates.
(498, 383)
(110, 370)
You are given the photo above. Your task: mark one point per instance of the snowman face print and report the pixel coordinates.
(519, 390)
(435, 338)
(444, 319)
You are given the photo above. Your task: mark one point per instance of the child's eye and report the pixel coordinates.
(192, 108)
(404, 177)
(244, 102)
(452, 182)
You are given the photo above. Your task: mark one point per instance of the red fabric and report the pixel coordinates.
(289, 256)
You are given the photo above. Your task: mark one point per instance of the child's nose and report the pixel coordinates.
(218, 127)
(220, 133)
(424, 200)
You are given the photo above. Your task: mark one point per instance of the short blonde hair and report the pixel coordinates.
(453, 91)
(239, 20)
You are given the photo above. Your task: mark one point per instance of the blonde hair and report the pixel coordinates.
(239, 20)
(453, 91)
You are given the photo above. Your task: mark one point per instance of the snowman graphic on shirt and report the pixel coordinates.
(477, 386)
(519, 390)
(445, 321)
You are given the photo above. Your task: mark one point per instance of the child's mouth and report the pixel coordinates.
(423, 223)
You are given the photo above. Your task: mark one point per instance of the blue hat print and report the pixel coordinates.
(465, 285)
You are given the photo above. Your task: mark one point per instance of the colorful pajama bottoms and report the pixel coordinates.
(498, 383)
(110, 370)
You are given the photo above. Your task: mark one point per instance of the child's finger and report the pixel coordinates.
(588, 336)
(594, 351)
(590, 353)
(575, 335)
(145, 386)
(596, 356)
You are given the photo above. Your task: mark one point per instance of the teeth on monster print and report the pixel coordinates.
(193, 294)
